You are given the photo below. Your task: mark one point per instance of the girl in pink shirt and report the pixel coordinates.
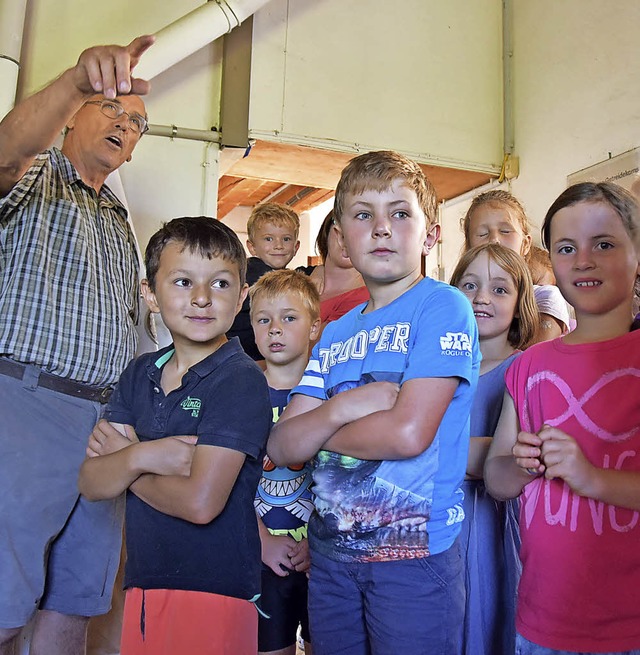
(568, 439)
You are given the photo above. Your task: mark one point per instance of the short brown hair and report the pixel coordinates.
(526, 320)
(623, 202)
(285, 281)
(378, 170)
(202, 234)
(274, 213)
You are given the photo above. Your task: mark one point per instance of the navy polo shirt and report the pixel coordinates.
(224, 401)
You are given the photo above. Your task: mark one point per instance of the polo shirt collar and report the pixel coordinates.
(203, 367)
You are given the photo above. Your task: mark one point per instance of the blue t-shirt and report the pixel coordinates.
(390, 510)
(224, 401)
(283, 500)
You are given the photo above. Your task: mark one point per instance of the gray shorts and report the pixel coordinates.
(57, 551)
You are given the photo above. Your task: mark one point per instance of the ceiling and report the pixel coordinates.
(303, 177)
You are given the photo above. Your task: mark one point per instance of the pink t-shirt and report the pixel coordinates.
(580, 586)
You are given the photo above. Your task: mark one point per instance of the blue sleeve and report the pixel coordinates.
(240, 417)
(445, 340)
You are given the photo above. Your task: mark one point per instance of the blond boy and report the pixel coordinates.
(273, 242)
(285, 315)
(383, 407)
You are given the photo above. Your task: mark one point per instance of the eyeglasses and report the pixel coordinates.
(113, 110)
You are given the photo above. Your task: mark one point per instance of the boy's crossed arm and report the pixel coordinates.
(114, 461)
(375, 421)
(170, 474)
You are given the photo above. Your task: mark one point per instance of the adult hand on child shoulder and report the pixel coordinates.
(563, 458)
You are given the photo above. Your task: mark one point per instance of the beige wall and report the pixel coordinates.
(576, 91)
(576, 87)
(420, 76)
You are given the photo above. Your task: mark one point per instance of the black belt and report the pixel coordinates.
(56, 383)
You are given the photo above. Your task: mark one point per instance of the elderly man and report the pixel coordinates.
(68, 308)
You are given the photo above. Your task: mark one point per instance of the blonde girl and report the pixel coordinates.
(497, 216)
(497, 282)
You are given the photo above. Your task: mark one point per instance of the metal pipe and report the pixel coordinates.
(12, 15)
(507, 84)
(175, 132)
(193, 31)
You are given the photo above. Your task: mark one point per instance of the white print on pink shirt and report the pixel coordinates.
(562, 506)
(575, 406)
(565, 512)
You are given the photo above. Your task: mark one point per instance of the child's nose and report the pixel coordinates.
(200, 297)
(275, 328)
(381, 227)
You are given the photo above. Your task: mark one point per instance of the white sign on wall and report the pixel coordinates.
(623, 169)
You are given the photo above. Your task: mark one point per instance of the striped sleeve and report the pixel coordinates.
(312, 382)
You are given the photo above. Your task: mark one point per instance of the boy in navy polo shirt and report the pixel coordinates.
(194, 419)
(383, 407)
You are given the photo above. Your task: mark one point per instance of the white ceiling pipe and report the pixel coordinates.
(12, 13)
(188, 34)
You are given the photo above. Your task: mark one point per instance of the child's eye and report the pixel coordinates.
(500, 291)
(604, 245)
(289, 319)
(363, 216)
(505, 231)
(287, 239)
(182, 282)
(220, 284)
(268, 238)
(262, 321)
(565, 250)
(401, 214)
(468, 286)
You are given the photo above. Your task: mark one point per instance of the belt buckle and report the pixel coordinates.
(104, 395)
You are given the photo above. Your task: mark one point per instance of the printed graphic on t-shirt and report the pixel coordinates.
(361, 511)
(283, 499)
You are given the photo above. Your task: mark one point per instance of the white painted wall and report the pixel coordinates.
(419, 76)
(166, 178)
(576, 91)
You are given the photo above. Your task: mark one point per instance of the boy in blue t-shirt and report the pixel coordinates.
(285, 315)
(383, 408)
(194, 419)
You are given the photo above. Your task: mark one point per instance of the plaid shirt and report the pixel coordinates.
(68, 275)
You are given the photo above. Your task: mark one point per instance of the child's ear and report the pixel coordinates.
(526, 245)
(295, 250)
(315, 330)
(340, 236)
(243, 294)
(433, 234)
(252, 248)
(149, 296)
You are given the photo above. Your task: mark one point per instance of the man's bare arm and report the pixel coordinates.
(34, 124)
